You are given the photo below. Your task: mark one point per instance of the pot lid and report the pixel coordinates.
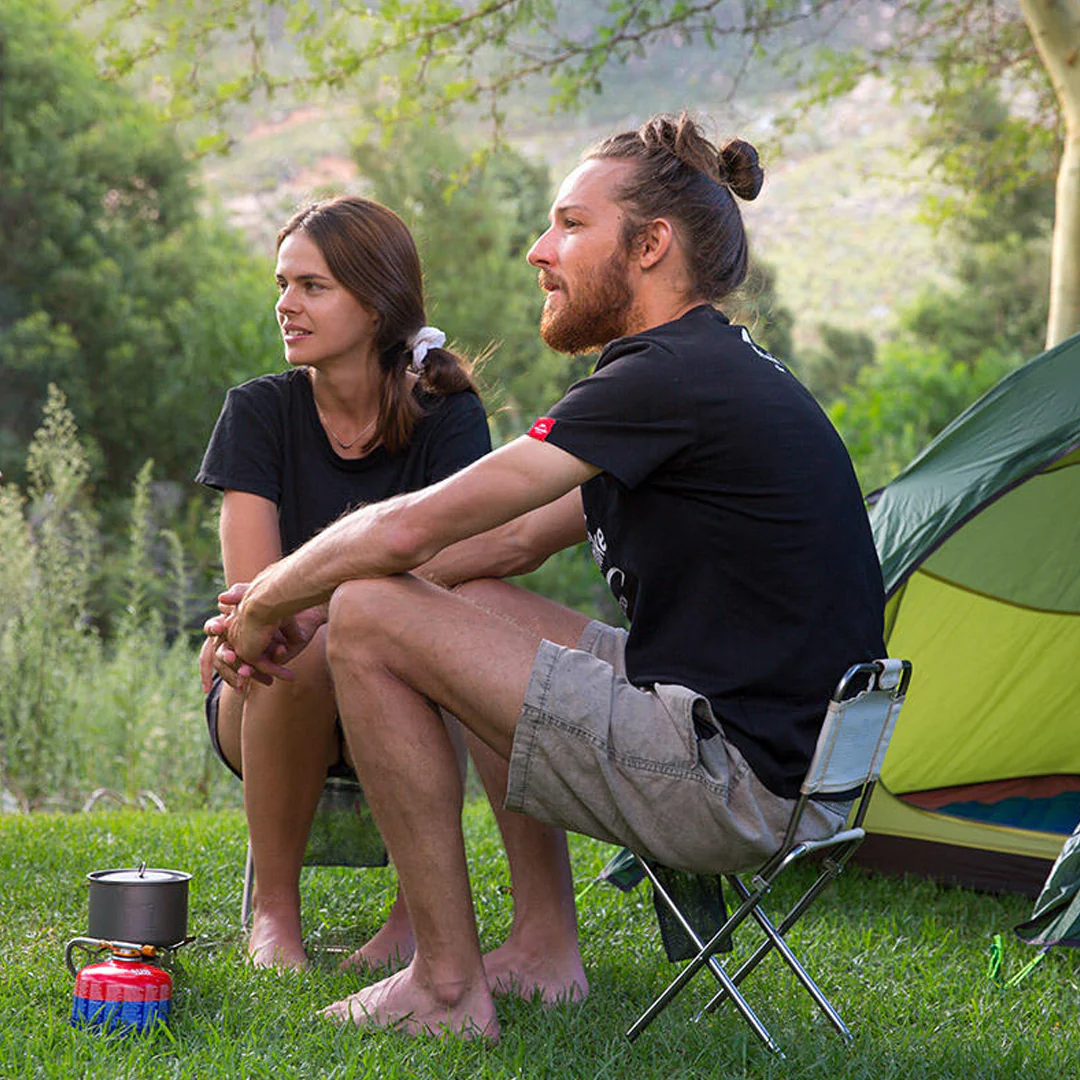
(141, 875)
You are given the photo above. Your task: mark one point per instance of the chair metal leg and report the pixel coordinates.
(730, 990)
(834, 867)
(802, 975)
(704, 958)
(249, 881)
(766, 946)
(776, 940)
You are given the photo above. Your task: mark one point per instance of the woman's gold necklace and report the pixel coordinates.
(337, 438)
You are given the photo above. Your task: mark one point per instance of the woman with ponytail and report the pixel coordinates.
(373, 404)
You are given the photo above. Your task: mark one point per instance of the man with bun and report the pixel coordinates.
(721, 508)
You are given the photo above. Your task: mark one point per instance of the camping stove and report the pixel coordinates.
(139, 918)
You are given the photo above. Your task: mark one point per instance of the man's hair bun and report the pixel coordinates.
(740, 168)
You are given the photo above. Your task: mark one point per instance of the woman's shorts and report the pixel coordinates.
(340, 767)
(647, 768)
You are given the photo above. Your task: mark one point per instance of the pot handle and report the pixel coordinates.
(88, 946)
(95, 945)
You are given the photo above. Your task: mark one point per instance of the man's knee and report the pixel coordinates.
(360, 616)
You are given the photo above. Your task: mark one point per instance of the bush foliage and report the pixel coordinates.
(114, 284)
(79, 711)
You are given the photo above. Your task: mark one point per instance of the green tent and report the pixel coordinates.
(979, 539)
(1056, 918)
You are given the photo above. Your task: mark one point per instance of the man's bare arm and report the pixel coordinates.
(517, 547)
(401, 533)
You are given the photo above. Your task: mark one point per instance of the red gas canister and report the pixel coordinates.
(123, 992)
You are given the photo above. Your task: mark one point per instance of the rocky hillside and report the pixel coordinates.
(838, 218)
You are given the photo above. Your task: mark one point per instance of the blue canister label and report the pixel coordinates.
(130, 1016)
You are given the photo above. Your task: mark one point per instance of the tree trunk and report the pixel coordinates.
(1055, 29)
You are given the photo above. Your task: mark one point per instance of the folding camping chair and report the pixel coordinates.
(343, 833)
(850, 749)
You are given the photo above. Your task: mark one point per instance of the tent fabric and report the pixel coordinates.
(1043, 787)
(979, 541)
(999, 673)
(996, 544)
(1056, 918)
(977, 868)
(892, 816)
(1050, 815)
(1025, 423)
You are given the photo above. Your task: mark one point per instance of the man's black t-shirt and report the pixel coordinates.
(730, 527)
(269, 441)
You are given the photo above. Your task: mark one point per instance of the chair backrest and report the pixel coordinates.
(343, 833)
(857, 729)
(343, 830)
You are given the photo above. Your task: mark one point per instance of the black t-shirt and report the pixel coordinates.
(268, 441)
(730, 527)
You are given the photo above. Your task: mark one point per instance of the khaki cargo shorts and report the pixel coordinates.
(596, 755)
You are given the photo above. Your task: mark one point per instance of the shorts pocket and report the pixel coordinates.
(680, 703)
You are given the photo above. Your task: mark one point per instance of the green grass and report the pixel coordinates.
(905, 962)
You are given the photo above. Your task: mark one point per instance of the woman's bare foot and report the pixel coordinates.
(390, 947)
(403, 1003)
(275, 940)
(555, 979)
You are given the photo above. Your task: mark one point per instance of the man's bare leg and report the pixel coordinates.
(395, 645)
(392, 945)
(540, 955)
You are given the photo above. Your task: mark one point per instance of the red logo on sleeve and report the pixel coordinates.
(542, 428)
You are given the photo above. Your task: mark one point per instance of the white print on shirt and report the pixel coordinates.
(615, 578)
(762, 353)
(599, 547)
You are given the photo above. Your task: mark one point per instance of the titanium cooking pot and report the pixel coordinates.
(145, 906)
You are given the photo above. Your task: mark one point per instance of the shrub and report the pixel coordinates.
(79, 711)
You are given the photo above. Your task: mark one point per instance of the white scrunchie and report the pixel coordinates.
(427, 337)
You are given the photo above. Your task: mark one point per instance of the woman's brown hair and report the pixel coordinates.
(370, 250)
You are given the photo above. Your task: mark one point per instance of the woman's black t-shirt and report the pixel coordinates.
(730, 528)
(269, 441)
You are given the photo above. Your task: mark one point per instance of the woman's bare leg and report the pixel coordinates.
(286, 737)
(282, 738)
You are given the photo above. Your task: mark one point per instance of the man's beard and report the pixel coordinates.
(599, 315)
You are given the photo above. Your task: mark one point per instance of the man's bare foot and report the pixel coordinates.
(275, 941)
(391, 947)
(402, 1003)
(555, 979)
